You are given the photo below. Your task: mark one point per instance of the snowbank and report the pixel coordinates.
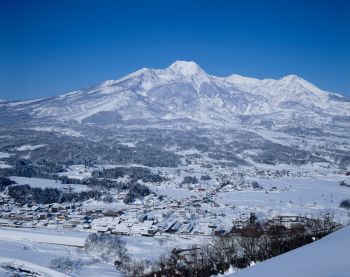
(326, 257)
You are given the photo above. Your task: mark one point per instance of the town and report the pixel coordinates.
(202, 212)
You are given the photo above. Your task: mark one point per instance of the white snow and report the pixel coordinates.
(44, 236)
(4, 165)
(34, 250)
(65, 131)
(5, 155)
(326, 257)
(18, 103)
(43, 271)
(290, 196)
(47, 183)
(185, 68)
(77, 172)
(27, 147)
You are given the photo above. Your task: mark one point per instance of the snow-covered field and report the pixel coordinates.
(35, 249)
(4, 165)
(328, 257)
(151, 248)
(306, 196)
(47, 183)
(24, 265)
(77, 172)
(76, 239)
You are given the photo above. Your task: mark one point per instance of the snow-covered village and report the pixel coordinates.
(174, 138)
(175, 210)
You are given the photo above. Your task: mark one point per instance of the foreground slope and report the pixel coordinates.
(35, 250)
(326, 257)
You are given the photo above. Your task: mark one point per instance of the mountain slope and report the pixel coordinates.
(234, 119)
(186, 91)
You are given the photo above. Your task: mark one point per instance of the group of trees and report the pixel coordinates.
(112, 248)
(136, 190)
(5, 182)
(205, 177)
(256, 185)
(190, 180)
(135, 174)
(274, 153)
(108, 247)
(345, 204)
(26, 168)
(59, 152)
(24, 194)
(64, 264)
(344, 184)
(227, 156)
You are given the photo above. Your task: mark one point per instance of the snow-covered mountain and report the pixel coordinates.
(185, 91)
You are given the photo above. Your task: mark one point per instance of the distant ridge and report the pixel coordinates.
(185, 91)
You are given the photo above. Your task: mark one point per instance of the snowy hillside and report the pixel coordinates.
(326, 257)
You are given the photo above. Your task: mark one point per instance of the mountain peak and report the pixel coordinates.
(185, 68)
(291, 78)
(294, 79)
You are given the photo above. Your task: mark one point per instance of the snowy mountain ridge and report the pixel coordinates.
(185, 91)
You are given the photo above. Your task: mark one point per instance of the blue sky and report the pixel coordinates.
(51, 47)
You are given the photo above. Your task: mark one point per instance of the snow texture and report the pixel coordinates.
(326, 257)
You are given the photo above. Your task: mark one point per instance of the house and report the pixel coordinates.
(111, 213)
(5, 215)
(187, 228)
(54, 208)
(86, 226)
(152, 231)
(101, 229)
(42, 216)
(137, 203)
(174, 227)
(69, 225)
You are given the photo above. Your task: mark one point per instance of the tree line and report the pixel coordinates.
(24, 194)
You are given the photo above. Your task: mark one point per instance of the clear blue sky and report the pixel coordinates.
(51, 47)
